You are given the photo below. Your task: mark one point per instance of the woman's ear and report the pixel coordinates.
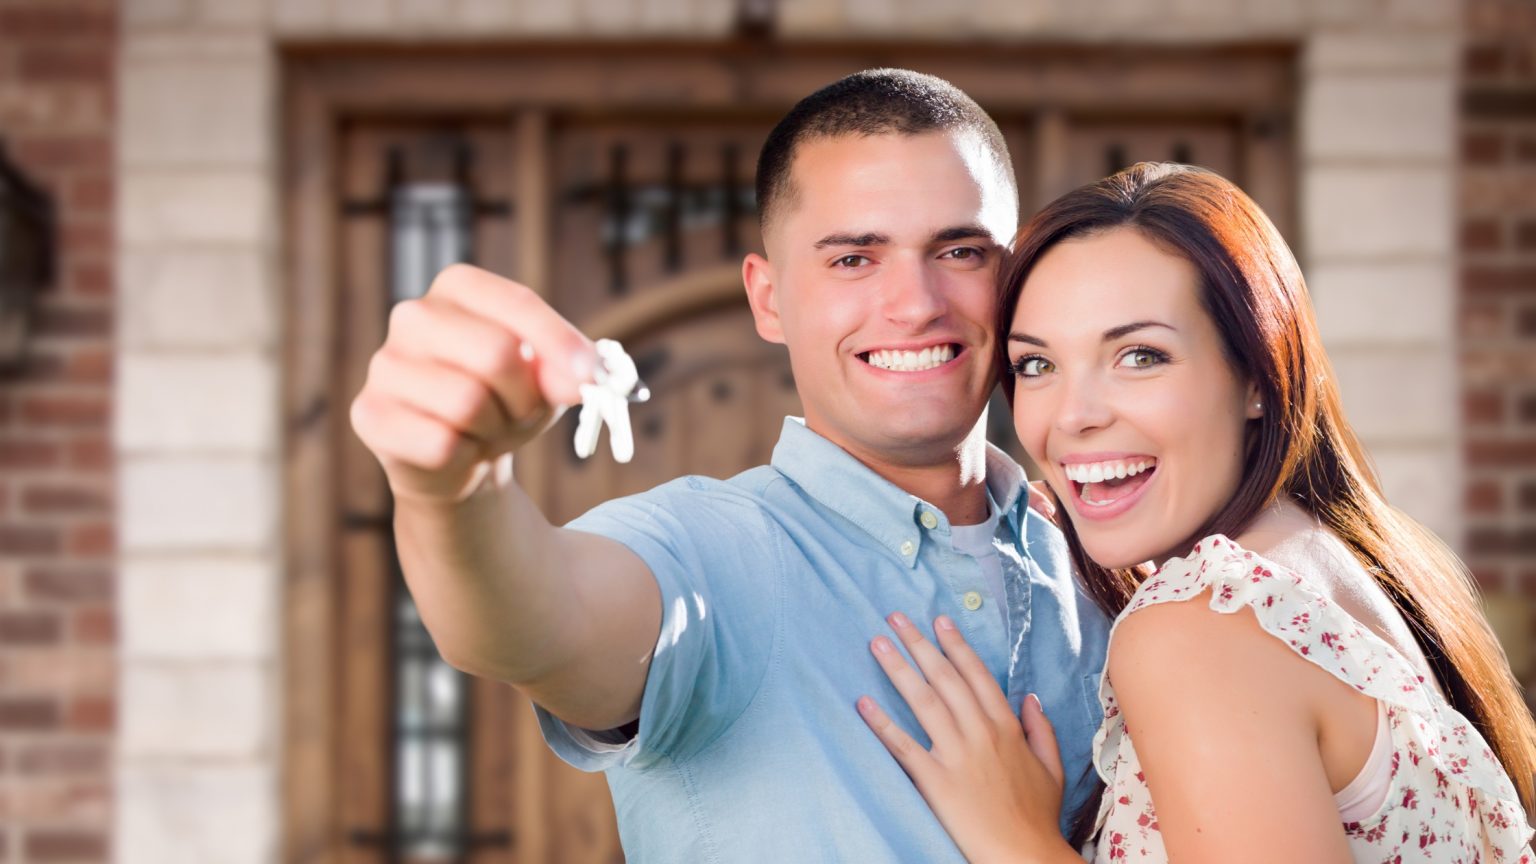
(1255, 405)
(762, 295)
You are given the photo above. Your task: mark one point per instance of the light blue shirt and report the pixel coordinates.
(772, 585)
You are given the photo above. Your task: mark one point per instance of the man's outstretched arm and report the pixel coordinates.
(467, 375)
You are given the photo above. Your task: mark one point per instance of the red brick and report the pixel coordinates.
(1499, 280)
(90, 366)
(29, 453)
(96, 625)
(1501, 541)
(92, 713)
(1482, 60)
(1525, 235)
(29, 540)
(46, 499)
(1528, 497)
(73, 152)
(1528, 408)
(26, 23)
(89, 194)
(52, 63)
(93, 454)
(1501, 454)
(88, 279)
(91, 539)
(63, 758)
(20, 714)
(1480, 235)
(1483, 407)
(1482, 148)
(1525, 149)
(64, 412)
(29, 628)
(1525, 323)
(68, 583)
(1484, 496)
(1490, 578)
(86, 237)
(64, 844)
(74, 321)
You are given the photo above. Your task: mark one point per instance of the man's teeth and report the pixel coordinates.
(1098, 472)
(912, 361)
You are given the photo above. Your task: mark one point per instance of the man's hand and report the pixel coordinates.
(474, 369)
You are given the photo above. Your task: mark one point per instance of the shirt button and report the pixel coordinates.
(907, 547)
(929, 520)
(971, 601)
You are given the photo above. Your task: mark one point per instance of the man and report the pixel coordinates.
(718, 629)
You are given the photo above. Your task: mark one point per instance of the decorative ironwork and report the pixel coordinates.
(636, 214)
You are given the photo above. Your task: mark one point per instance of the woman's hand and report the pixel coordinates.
(995, 785)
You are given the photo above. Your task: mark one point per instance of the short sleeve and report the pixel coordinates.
(716, 557)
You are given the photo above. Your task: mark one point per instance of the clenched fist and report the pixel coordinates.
(472, 370)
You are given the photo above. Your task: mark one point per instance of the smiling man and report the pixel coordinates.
(704, 643)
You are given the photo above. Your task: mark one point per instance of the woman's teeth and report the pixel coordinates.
(912, 361)
(1098, 472)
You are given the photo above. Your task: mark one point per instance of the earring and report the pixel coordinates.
(1258, 407)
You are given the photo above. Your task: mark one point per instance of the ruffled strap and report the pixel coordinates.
(1295, 612)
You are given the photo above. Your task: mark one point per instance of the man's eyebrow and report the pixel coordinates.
(1110, 335)
(871, 238)
(962, 232)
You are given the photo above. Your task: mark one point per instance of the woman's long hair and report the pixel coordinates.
(1301, 449)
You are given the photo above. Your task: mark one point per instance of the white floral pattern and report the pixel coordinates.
(1448, 793)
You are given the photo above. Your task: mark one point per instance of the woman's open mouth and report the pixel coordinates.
(1109, 488)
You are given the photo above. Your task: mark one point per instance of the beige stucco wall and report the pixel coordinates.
(197, 432)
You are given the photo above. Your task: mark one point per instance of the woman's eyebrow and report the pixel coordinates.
(1110, 335)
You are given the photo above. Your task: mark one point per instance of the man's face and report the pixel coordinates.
(880, 280)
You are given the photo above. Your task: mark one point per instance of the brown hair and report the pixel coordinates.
(1301, 448)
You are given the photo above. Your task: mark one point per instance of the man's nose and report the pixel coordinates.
(914, 294)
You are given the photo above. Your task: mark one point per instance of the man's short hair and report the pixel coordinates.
(872, 102)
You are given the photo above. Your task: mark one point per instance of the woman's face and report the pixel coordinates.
(1123, 396)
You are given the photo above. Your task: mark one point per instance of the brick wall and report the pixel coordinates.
(1498, 296)
(57, 615)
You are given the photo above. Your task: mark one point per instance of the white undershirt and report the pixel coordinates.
(977, 542)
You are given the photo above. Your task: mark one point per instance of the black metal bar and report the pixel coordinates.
(674, 208)
(732, 205)
(1114, 158)
(618, 219)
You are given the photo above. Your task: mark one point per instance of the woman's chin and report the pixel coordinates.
(1116, 556)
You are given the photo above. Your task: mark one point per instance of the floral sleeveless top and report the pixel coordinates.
(1449, 798)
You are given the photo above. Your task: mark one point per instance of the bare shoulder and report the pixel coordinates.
(1186, 650)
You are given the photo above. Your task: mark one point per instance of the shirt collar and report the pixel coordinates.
(885, 511)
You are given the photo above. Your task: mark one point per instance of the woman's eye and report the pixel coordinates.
(1142, 358)
(1032, 367)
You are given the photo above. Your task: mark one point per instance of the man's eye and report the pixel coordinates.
(851, 261)
(963, 253)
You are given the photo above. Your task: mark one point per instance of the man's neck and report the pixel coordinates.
(956, 483)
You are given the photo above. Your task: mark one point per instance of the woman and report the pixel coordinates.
(1320, 687)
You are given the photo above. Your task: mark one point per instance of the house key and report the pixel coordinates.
(616, 383)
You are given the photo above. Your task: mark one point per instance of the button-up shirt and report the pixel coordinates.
(772, 584)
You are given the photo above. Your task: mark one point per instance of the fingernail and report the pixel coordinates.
(943, 622)
(583, 366)
(883, 645)
(525, 351)
(899, 620)
(866, 704)
(1036, 699)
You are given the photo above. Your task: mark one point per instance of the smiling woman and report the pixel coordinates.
(1334, 670)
